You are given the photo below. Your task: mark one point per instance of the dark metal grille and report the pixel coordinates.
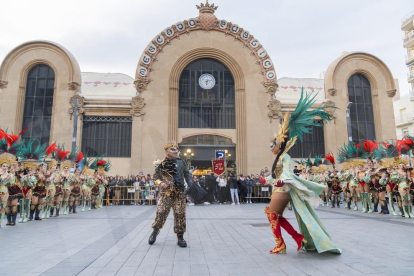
(200, 108)
(313, 143)
(38, 103)
(362, 114)
(109, 136)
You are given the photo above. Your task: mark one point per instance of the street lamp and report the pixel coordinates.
(188, 157)
(227, 157)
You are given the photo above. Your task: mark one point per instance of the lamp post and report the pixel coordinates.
(227, 157)
(188, 155)
(348, 121)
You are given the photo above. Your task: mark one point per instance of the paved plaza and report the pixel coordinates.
(222, 239)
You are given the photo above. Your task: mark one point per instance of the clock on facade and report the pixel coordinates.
(207, 81)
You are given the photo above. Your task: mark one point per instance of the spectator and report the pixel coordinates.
(137, 190)
(123, 191)
(142, 185)
(249, 185)
(257, 187)
(232, 183)
(117, 190)
(222, 188)
(210, 183)
(241, 183)
(129, 183)
(296, 171)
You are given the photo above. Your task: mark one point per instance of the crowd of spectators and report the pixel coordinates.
(221, 189)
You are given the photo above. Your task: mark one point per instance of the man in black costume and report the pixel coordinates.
(170, 176)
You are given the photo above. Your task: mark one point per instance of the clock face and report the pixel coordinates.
(207, 81)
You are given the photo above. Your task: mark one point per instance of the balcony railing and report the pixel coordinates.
(408, 38)
(400, 136)
(406, 19)
(410, 76)
(404, 119)
(409, 57)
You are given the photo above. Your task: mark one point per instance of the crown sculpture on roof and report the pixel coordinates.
(206, 7)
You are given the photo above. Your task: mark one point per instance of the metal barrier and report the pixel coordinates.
(126, 194)
(141, 194)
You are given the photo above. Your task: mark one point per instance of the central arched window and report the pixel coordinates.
(38, 103)
(362, 114)
(210, 106)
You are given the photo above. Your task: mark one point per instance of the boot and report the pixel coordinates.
(180, 240)
(13, 215)
(349, 204)
(386, 211)
(51, 211)
(84, 203)
(21, 203)
(47, 212)
(37, 212)
(410, 211)
(74, 207)
(153, 236)
(65, 207)
(375, 205)
(70, 207)
(363, 201)
(89, 203)
(356, 205)
(8, 215)
(338, 199)
(333, 202)
(27, 210)
(93, 205)
(32, 211)
(57, 210)
(402, 211)
(277, 233)
(299, 238)
(390, 201)
(369, 203)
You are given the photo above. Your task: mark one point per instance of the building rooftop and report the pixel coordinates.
(290, 88)
(107, 85)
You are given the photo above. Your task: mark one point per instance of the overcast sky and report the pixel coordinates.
(302, 37)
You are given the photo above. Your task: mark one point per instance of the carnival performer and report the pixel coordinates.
(404, 191)
(53, 188)
(38, 170)
(15, 192)
(384, 180)
(6, 178)
(28, 181)
(68, 179)
(75, 192)
(303, 194)
(95, 190)
(392, 189)
(101, 167)
(88, 182)
(336, 188)
(364, 188)
(170, 176)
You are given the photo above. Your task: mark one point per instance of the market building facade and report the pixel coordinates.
(204, 82)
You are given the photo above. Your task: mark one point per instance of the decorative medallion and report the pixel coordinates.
(80, 102)
(330, 107)
(333, 92)
(275, 107)
(138, 104)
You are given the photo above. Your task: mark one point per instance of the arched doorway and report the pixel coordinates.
(204, 148)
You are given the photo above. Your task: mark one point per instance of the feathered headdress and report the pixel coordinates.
(101, 165)
(11, 143)
(352, 154)
(330, 159)
(388, 154)
(32, 152)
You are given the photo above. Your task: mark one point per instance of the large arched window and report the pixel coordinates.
(206, 96)
(38, 103)
(362, 114)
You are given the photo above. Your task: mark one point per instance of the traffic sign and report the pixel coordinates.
(220, 154)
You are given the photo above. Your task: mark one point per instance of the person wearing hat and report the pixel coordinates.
(170, 176)
(6, 178)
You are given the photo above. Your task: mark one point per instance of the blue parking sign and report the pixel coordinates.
(220, 153)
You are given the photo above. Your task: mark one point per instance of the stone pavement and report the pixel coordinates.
(223, 240)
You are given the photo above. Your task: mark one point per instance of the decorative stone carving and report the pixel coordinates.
(73, 86)
(3, 84)
(81, 103)
(138, 104)
(271, 86)
(275, 107)
(333, 92)
(391, 93)
(141, 83)
(330, 107)
(207, 18)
